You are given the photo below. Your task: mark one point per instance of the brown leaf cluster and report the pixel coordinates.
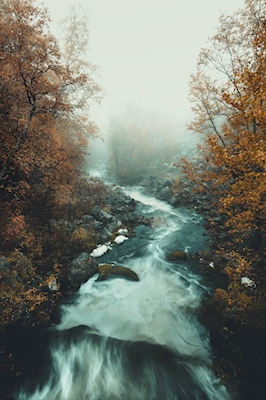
(44, 132)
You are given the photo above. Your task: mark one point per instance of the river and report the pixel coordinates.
(124, 340)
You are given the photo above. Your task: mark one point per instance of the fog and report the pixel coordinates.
(146, 51)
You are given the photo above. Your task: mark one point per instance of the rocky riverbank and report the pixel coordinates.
(76, 243)
(110, 221)
(110, 228)
(235, 314)
(24, 336)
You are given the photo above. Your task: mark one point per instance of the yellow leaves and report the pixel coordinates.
(236, 298)
(18, 293)
(57, 268)
(234, 164)
(82, 239)
(34, 298)
(15, 227)
(42, 140)
(177, 185)
(31, 245)
(228, 201)
(51, 282)
(221, 295)
(239, 169)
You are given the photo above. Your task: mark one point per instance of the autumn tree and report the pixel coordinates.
(75, 56)
(44, 130)
(228, 109)
(228, 95)
(229, 52)
(36, 106)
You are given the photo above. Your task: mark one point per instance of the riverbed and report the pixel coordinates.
(124, 340)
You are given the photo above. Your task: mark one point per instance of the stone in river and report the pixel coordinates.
(177, 255)
(107, 271)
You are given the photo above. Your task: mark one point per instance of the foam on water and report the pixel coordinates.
(154, 309)
(136, 340)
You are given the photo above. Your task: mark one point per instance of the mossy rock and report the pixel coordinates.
(107, 271)
(177, 256)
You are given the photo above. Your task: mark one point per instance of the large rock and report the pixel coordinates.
(129, 201)
(165, 183)
(182, 198)
(105, 217)
(177, 256)
(95, 212)
(82, 268)
(175, 200)
(86, 219)
(165, 194)
(101, 215)
(98, 225)
(130, 217)
(107, 271)
(113, 226)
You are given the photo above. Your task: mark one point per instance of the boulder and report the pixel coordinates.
(165, 183)
(177, 256)
(175, 200)
(95, 212)
(185, 193)
(129, 201)
(113, 226)
(98, 225)
(101, 215)
(107, 271)
(130, 217)
(107, 232)
(165, 194)
(83, 267)
(105, 217)
(86, 219)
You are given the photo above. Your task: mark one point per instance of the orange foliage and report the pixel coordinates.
(230, 112)
(39, 144)
(44, 128)
(15, 227)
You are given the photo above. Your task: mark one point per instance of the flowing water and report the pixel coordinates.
(124, 340)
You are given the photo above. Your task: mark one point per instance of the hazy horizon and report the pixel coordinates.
(146, 50)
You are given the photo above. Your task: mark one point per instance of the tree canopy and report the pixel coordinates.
(228, 93)
(40, 150)
(229, 109)
(44, 130)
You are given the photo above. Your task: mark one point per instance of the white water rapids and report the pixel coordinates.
(124, 340)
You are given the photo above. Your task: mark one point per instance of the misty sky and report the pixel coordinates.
(147, 49)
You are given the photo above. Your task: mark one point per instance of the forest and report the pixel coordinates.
(45, 96)
(227, 93)
(46, 92)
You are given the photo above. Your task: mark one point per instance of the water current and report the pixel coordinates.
(124, 340)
